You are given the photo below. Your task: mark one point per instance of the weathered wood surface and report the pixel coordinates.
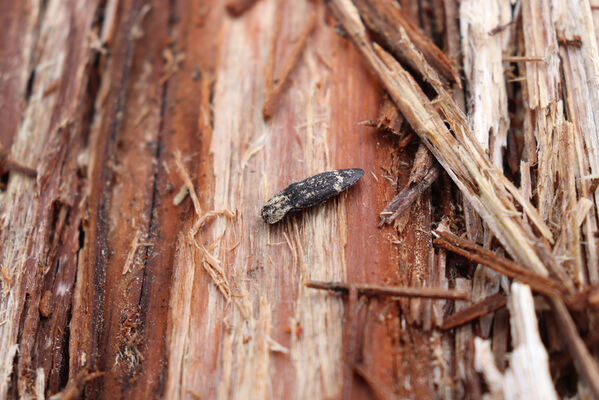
(136, 82)
(114, 287)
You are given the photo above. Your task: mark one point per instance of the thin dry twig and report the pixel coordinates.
(405, 40)
(187, 180)
(392, 291)
(269, 70)
(476, 253)
(475, 311)
(585, 364)
(408, 195)
(7, 163)
(523, 58)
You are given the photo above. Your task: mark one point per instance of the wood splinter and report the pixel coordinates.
(391, 291)
(475, 311)
(408, 195)
(8, 164)
(424, 173)
(478, 254)
(274, 89)
(576, 41)
(501, 28)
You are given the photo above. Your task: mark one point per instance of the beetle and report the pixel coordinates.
(309, 192)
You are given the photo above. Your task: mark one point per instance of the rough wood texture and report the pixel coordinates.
(529, 357)
(133, 259)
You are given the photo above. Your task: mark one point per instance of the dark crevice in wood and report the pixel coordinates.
(16, 372)
(29, 86)
(153, 227)
(99, 237)
(4, 177)
(63, 373)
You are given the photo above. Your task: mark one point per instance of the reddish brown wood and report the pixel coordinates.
(109, 288)
(484, 307)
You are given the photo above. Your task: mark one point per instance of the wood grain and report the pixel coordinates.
(135, 263)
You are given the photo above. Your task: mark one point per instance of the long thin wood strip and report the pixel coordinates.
(502, 265)
(7, 163)
(384, 18)
(540, 42)
(528, 376)
(569, 249)
(388, 24)
(487, 114)
(562, 360)
(486, 188)
(269, 69)
(408, 195)
(475, 311)
(418, 52)
(188, 183)
(484, 73)
(273, 96)
(580, 85)
(391, 291)
(585, 364)
(350, 341)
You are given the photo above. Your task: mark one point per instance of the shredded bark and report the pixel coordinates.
(400, 36)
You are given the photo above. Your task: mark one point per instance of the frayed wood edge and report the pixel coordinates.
(482, 184)
(528, 375)
(187, 180)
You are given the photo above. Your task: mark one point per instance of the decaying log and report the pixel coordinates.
(140, 139)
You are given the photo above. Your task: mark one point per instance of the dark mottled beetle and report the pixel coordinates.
(309, 192)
